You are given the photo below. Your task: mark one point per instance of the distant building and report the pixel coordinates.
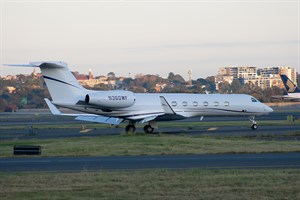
(223, 78)
(90, 81)
(91, 74)
(9, 77)
(289, 72)
(264, 77)
(190, 78)
(242, 73)
(10, 89)
(159, 87)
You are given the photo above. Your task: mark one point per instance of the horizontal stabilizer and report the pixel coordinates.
(100, 119)
(19, 65)
(53, 64)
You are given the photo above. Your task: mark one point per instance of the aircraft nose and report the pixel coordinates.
(268, 109)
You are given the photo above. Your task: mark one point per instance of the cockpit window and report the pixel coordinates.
(253, 99)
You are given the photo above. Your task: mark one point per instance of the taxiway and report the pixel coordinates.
(211, 161)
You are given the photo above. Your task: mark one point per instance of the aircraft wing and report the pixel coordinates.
(145, 118)
(100, 119)
(85, 117)
(167, 111)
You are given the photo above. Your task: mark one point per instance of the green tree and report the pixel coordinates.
(236, 86)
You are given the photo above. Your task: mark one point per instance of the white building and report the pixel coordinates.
(264, 78)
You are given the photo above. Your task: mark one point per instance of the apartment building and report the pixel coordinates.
(263, 77)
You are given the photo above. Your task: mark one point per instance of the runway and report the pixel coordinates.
(210, 161)
(31, 119)
(22, 134)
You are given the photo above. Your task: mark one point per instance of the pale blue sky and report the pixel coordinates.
(150, 37)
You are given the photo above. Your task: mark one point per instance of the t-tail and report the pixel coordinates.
(61, 83)
(289, 85)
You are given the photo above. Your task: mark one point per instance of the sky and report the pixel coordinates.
(149, 37)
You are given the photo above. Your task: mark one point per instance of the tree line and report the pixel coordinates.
(30, 91)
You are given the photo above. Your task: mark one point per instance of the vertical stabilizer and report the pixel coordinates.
(61, 83)
(289, 85)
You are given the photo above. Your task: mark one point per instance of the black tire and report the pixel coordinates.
(254, 126)
(148, 129)
(130, 129)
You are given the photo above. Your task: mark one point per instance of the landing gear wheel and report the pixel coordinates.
(253, 122)
(130, 129)
(254, 126)
(148, 129)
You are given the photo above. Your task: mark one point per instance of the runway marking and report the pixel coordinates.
(85, 131)
(212, 129)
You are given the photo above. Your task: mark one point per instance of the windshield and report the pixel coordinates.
(253, 99)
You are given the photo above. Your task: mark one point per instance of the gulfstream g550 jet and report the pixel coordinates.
(117, 106)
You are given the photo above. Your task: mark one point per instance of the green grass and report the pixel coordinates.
(154, 184)
(158, 144)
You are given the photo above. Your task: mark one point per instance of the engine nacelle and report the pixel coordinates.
(111, 99)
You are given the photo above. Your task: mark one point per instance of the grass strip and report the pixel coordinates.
(154, 184)
(159, 144)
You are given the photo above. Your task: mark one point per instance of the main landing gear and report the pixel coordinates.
(148, 129)
(130, 128)
(254, 125)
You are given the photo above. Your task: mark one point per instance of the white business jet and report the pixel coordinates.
(117, 106)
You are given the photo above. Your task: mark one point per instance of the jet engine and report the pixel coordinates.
(111, 99)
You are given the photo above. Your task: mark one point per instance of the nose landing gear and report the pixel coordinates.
(254, 125)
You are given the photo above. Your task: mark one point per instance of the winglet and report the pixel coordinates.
(166, 106)
(52, 107)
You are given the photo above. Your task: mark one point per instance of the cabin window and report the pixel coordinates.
(226, 103)
(184, 103)
(195, 103)
(174, 103)
(216, 103)
(205, 103)
(253, 99)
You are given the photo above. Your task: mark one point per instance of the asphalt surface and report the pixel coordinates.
(210, 161)
(34, 118)
(46, 117)
(278, 131)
